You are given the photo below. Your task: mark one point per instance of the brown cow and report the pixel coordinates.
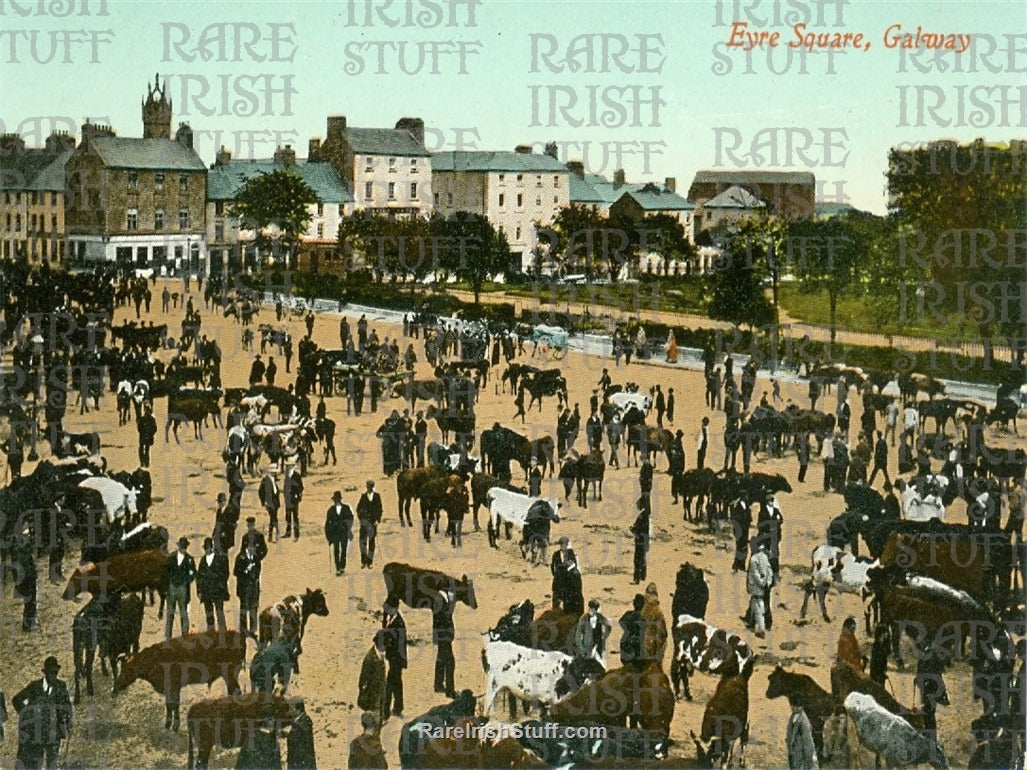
(199, 658)
(619, 694)
(472, 752)
(554, 630)
(416, 587)
(846, 679)
(231, 722)
(128, 571)
(963, 560)
(410, 485)
(726, 720)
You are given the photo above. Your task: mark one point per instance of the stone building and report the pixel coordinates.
(651, 199)
(388, 170)
(513, 190)
(140, 202)
(730, 207)
(787, 194)
(32, 199)
(233, 248)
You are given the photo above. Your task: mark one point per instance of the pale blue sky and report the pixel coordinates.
(495, 98)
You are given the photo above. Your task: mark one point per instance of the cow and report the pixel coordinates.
(693, 486)
(481, 483)
(123, 396)
(119, 501)
(1004, 412)
(271, 663)
(645, 696)
(534, 676)
(701, 646)
(606, 744)
(416, 587)
(233, 721)
(547, 383)
(514, 372)
(200, 658)
(624, 401)
(942, 411)
(910, 384)
(890, 736)
(76, 444)
(128, 571)
(582, 470)
(448, 494)
(471, 751)
(461, 424)
(532, 514)
(837, 567)
(287, 619)
(643, 439)
(415, 734)
(817, 702)
(845, 680)
(725, 720)
(192, 405)
(690, 597)
(410, 485)
(111, 624)
(426, 390)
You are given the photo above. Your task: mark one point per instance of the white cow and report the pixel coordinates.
(117, 498)
(890, 736)
(527, 673)
(837, 567)
(625, 401)
(513, 507)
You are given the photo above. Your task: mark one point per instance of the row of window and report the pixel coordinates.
(369, 191)
(502, 200)
(132, 219)
(158, 181)
(140, 256)
(538, 179)
(40, 248)
(36, 198)
(369, 162)
(36, 222)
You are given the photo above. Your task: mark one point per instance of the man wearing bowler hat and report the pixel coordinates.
(247, 576)
(338, 530)
(271, 498)
(179, 572)
(45, 718)
(212, 583)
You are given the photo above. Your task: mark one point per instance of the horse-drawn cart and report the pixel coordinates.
(550, 341)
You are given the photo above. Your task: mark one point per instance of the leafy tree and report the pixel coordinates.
(664, 234)
(737, 289)
(575, 239)
(276, 205)
(472, 249)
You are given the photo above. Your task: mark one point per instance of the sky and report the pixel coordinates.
(652, 87)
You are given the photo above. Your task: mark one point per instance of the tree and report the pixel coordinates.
(737, 289)
(826, 255)
(574, 239)
(664, 234)
(276, 206)
(472, 249)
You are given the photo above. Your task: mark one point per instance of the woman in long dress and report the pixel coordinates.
(672, 348)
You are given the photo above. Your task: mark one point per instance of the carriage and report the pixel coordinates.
(550, 341)
(144, 337)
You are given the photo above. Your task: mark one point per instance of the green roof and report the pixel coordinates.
(595, 188)
(224, 182)
(659, 200)
(385, 141)
(34, 169)
(833, 209)
(735, 197)
(486, 160)
(146, 154)
(746, 176)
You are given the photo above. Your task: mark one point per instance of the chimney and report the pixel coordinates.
(523, 149)
(285, 156)
(11, 145)
(95, 130)
(577, 168)
(670, 184)
(184, 135)
(336, 127)
(314, 150)
(223, 156)
(618, 178)
(59, 141)
(415, 126)
(552, 150)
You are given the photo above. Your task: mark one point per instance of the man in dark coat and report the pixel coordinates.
(632, 625)
(392, 433)
(371, 684)
(271, 498)
(147, 428)
(226, 519)
(365, 751)
(369, 511)
(179, 573)
(212, 583)
(247, 577)
(393, 639)
(45, 718)
(594, 431)
(880, 459)
(338, 530)
(741, 522)
(645, 477)
(299, 746)
(661, 405)
(293, 493)
(567, 592)
(443, 633)
(25, 588)
(640, 534)
(262, 752)
(257, 370)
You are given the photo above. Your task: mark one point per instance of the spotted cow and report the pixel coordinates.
(704, 647)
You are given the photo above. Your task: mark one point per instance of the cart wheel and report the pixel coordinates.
(559, 353)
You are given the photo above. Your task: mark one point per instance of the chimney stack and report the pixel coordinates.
(223, 156)
(59, 141)
(314, 149)
(670, 184)
(285, 156)
(523, 149)
(619, 179)
(577, 168)
(184, 135)
(11, 145)
(336, 127)
(95, 130)
(415, 126)
(552, 150)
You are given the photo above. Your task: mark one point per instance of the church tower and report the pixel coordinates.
(156, 112)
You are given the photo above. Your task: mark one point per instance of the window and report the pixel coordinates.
(159, 255)
(436, 202)
(502, 200)
(413, 189)
(158, 181)
(17, 198)
(449, 199)
(520, 177)
(556, 181)
(413, 165)
(183, 182)
(556, 199)
(17, 222)
(320, 209)
(7, 198)
(368, 165)
(538, 201)
(9, 220)
(133, 219)
(142, 256)
(538, 180)
(124, 255)
(183, 218)
(392, 165)
(392, 191)
(53, 222)
(517, 233)
(32, 224)
(320, 229)
(219, 208)
(520, 200)
(219, 231)
(133, 180)
(502, 177)
(158, 219)
(367, 191)
(35, 199)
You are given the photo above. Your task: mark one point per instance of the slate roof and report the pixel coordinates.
(747, 176)
(662, 200)
(735, 197)
(828, 209)
(385, 141)
(597, 189)
(494, 161)
(146, 154)
(34, 169)
(224, 182)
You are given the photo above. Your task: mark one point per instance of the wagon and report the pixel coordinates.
(550, 341)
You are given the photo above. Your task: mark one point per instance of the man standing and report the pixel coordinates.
(271, 498)
(293, 495)
(26, 588)
(371, 684)
(880, 459)
(179, 572)
(566, 586)
(891, 420)
(257, 371)
(45, 718)
(212, 584)
(661, 406)
(594, 432)
(369, 511)
(362, 332)
(393, 639)
(421, 434)
(591, 633)
(271, 371)
(247, 576)
(758, 582)
(640, 533)
(443, 634)
(632, 625)
(343, 332)
(226, 519)
(704, 442)
(802, 450)
(326, 429)
(339, 531)
(165, 299)
(670, 405)
(147, 428)
(309, 322)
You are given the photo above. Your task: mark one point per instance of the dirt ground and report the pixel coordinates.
(126, 730)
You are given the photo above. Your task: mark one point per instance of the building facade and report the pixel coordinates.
(138, 202)
(734, 205)
(515, 191)
(636, 205)
(32, 199)
(787, 194)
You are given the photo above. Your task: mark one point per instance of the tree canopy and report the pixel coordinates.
(276, 205)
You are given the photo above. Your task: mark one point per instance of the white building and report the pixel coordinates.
(513, 190)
